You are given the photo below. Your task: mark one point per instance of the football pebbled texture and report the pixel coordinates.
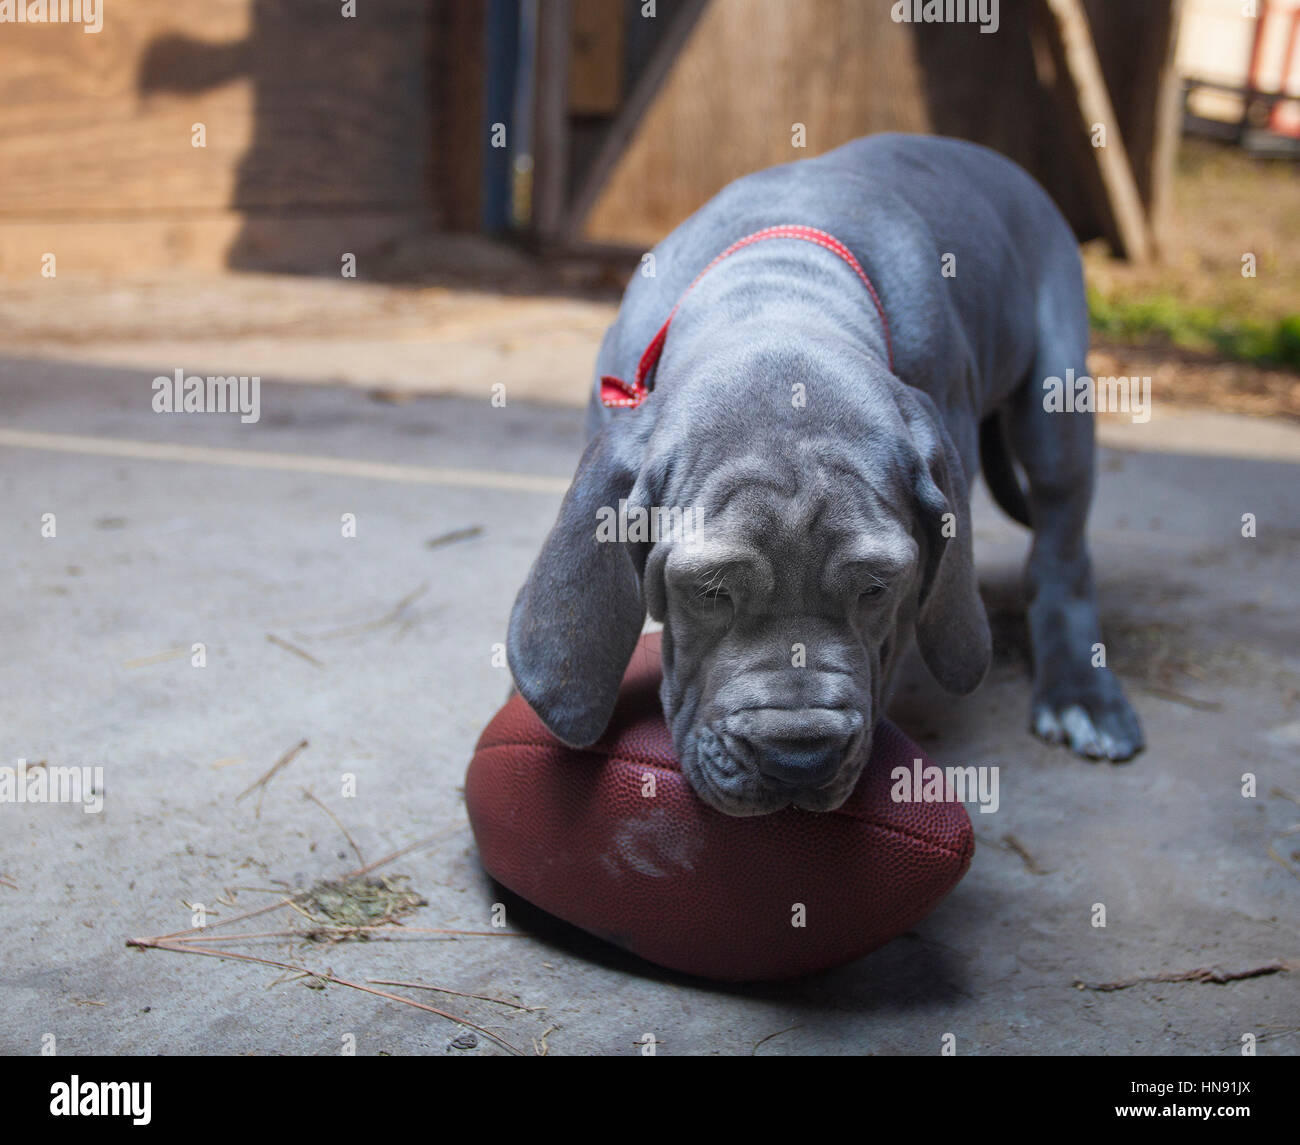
(576, 832)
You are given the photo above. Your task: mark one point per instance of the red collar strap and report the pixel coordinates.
(615, 392)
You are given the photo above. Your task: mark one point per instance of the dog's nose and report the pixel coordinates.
(801, 762)
(797, 748)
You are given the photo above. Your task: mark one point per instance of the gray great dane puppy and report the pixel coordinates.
(829, 445)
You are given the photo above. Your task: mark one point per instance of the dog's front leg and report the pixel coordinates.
(1077, 700)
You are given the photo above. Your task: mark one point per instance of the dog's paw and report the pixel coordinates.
(1097, 725)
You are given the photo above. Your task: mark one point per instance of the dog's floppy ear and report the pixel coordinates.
(576, 621)
(952, 628)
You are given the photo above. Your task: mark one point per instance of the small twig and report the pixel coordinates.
(272, 638)
(341, 931)
(425, 842)
(458, 993)
(454, 536)
(282, 762)
(324, 976)
(769, 1037)
(1014, 844)
(225, 921)
(1201, 974)
(393, 615)
(351, 841)
(540, 1048)
(443, 930)
(5, 881)
(409, 599)
(1272, 854)
(1180, 698)
(156, 658)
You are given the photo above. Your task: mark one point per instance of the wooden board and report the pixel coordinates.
(751, 70)
(303, 110)
(596, 63)
(213, 240)
(1086, 106)
(844, 69)
(459, 105)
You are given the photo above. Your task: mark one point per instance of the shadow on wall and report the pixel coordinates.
(340, 159)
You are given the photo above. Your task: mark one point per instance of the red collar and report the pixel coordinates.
(615, 392)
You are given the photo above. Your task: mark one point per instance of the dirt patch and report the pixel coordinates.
(1187, 379)
(1164, 658)
(359, 902)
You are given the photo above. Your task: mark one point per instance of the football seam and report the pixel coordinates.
(965, 852)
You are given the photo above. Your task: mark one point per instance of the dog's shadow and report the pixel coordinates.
(910, 972)
(938, 721)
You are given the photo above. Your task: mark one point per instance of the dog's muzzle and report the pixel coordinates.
(799, 749)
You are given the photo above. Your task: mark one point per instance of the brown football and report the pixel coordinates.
(612, 839)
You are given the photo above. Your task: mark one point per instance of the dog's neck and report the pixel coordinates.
(788, 289)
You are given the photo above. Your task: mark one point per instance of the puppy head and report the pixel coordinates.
(782, 623)
(798, 557)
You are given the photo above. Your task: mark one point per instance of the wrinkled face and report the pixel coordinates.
(782, 622)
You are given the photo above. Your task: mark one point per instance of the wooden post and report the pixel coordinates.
(459, 55)
(1064, 24)
(551, 119)
(619, 133)
(1168, 113)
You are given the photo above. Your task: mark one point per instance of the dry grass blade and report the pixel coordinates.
(1031, 864)
(1281, 794)
(351, 842)
(769, 1037)
(1200, 974)
(303, 653)
(1181, 698)
(1281, 862)
(152, 944)
(392, 616)
(278, 765)
(453, 537)
(428, 841)
(325, 932)
(458, 993)
(156, 658)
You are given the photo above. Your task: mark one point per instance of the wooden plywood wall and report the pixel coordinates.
(754, 68)
(307, 115)
(751, 70)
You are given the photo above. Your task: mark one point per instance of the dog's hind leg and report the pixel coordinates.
(1077, 699)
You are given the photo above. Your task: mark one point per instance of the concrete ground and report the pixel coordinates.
(174, 531)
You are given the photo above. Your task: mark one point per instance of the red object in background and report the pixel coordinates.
(680, 884)
(1281, 113)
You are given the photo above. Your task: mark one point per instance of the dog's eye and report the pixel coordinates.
(713, 594)
(873, 590)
